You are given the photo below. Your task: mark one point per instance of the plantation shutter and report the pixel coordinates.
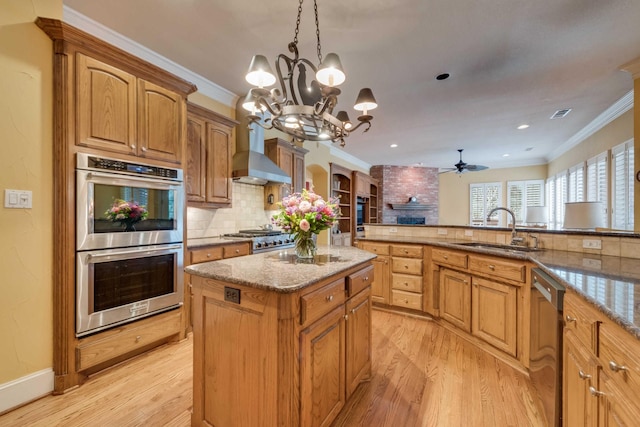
(483, 198)
(597, 182)
(551, 201)
(561, 198)
(622, 197)
(521, 194)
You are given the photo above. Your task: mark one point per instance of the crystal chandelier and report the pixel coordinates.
(301, 108)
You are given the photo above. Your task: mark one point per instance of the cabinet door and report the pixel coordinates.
(579, 373)
(322, 369)
(358, 345)
(493, 314)
(194, 176)
(455, 298)
(160, 121)
(106, 106)
(218, 167)
(298, 177)
(616, 407)
(380, 286)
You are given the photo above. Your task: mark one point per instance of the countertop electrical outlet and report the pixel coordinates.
(393, 230)
(592, 244)
(442, 231)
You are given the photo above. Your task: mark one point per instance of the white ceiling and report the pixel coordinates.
(511, 62)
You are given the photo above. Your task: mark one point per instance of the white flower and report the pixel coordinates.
(304, 206)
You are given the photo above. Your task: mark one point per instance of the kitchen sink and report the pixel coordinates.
(481, 245)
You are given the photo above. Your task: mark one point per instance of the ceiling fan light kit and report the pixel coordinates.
(300, 109)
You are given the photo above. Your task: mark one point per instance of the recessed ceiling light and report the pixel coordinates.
(393, 145)
(523, 126)
(505, 155)
(443, 76)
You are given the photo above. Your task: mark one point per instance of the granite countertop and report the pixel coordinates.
(213, 241)
(282, 271)
(611, 284)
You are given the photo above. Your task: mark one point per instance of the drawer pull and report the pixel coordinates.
(445, 256)
(138, 338)
(406, 301)
(329, 298)
(569, 319)
(406, 284)
(208, 255)
(144, 149)
(133, 146)
(583, 376)
(237, 251)
(406, 266)
(617, 368)
(595, 392)
(492, 267)
(405, 251)
(366, 279)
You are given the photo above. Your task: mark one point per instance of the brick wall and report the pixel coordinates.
(398, 183)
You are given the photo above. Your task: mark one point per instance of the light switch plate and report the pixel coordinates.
(18, 199)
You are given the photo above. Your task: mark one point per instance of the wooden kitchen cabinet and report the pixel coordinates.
(358, 339)
(341, 189)
(455, 298)
(208, 181)
(601, 380)
(380, 288)
(290, 158)
(493, 313)
(124, 114)
(407, 276)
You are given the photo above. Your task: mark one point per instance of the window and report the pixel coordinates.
(483, 198)
(575, 185)
(521, 194)
(622, 186)
(560, 198)
(597, 182)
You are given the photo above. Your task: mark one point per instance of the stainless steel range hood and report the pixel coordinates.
(250, 165)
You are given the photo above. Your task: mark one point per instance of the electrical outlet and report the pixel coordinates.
(442, 231)
(393, 230)
(468, 233)
(592, 244)
(232, 294)
(592, 263)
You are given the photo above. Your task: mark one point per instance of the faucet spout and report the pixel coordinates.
(514, 240)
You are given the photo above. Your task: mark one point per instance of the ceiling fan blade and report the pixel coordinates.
(475, 168)
(446, 170)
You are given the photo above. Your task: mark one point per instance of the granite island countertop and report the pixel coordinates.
(610, 283)
(282, 271)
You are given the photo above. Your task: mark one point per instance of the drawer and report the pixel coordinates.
(376, 248)
(406, 299)
(405, 282)
(237, 249)
(210, 253)
(580, 319)
(494, 267)
(454, 259)
(406, 266)
(359, 280)
(321, 301)
(406, 251)
(130, 337)
(619, 352)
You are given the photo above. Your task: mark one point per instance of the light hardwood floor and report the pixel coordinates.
(423, 375)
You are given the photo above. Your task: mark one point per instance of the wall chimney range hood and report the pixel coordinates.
(250, 165)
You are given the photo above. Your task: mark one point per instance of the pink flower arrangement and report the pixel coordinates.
(305, 213)
(126, 212)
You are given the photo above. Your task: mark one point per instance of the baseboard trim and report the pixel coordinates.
(26, 389)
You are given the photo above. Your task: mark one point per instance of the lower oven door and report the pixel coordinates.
(116, 286)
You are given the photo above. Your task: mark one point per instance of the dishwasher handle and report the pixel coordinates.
(548, 287)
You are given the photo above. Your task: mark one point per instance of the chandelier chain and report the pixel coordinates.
(315, 9)
(295, 36)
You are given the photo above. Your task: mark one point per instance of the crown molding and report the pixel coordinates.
(620, 107)
(343, 155)
(205, 86)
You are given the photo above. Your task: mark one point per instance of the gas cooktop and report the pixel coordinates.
(264, 240)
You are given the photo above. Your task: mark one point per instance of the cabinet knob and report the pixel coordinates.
(138, 338)
(583, 376)
(208, 255)
(406, 301)
(406, 266)
(569, 319)
(329, 298)
(366, 278)
(492, 267)
(405, 251)
(445, 256)
(144, 148)
(595, 392)
(237, 251)
(406, 284)
(346, 317)
(133, 146)
(617, 368)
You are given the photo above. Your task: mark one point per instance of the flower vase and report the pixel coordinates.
(129, 226)
(305, 245)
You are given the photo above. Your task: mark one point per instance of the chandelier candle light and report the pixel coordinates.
(304, 215)
(304, 111)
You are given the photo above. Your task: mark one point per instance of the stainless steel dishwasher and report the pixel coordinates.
(545, 356)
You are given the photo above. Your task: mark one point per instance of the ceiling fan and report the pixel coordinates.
(462, 167)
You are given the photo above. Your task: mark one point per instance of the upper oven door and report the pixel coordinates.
(96, 193)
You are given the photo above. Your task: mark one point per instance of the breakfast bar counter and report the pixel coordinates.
(280, 341)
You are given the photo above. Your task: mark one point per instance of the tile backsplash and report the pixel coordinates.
(247, 212)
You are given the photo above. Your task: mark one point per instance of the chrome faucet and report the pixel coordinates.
(514, 239)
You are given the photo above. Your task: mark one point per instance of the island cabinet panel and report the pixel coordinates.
(317, 303)
(361, 280)
(380, 287)
(322, 370)
(579, 372)
(494, 267)
(235, 357)
(358, 340)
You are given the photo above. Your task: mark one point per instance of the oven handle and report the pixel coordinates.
(112, 178)
(126, 253)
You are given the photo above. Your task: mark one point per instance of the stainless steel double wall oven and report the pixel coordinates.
(126, 272)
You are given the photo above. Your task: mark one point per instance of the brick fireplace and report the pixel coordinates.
(398, 183)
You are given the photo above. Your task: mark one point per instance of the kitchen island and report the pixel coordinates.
(280, 341)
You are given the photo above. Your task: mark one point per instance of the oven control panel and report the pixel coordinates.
(122, 166)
